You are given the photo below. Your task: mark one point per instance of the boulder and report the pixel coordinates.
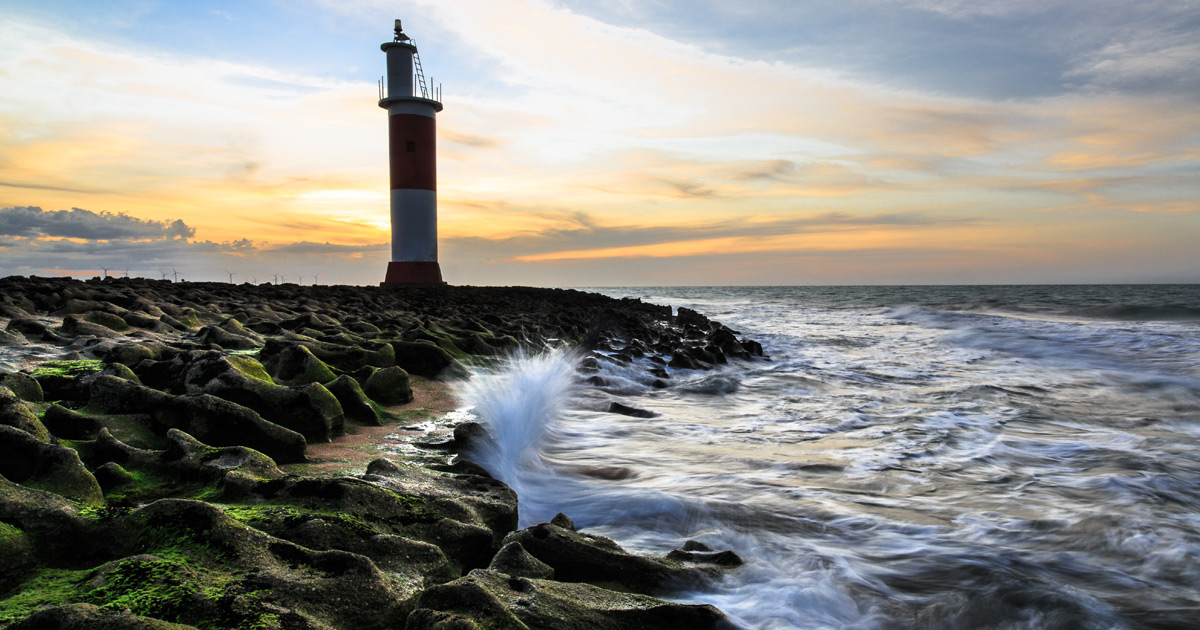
(76, 326)
(353, 400)
(15, 412)
(512, 559)
(211, 419)
(424, 358)
(220, 422)
(687, 317)
(131, 354)
(226, 339)
(106, 319)
(26, 326)
(49, 467)
(389, 386)
(626, 410)
(308, 409)
(70, 424)
(579, 557)
(296, 365)
(23, 385)
(491, 599)
(89, 617)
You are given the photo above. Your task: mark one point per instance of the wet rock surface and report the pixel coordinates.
(153, 437)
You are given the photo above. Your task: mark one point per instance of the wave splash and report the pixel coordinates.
(520, 404)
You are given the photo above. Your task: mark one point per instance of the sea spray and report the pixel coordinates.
(529, 403)
(519, 401)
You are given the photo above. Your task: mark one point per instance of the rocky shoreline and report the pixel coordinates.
(155, 467)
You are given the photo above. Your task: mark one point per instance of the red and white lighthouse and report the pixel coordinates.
(412, 149)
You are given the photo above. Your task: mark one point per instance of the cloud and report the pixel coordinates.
(31, 221)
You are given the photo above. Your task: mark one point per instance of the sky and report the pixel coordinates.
(610, 142)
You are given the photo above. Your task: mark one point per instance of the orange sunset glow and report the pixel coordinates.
(587, 144)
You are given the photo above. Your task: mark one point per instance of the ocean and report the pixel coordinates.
(909, 457)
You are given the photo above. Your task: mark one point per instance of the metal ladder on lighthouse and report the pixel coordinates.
(420, 71)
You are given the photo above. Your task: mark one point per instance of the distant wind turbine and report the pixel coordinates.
(175, 275)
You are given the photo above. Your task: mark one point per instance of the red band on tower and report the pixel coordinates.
(412, 147)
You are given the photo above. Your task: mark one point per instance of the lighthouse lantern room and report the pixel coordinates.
(412, 106)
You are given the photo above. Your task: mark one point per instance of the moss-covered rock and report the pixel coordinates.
(512, 559)
(389, 386)
(43, 466)
(236, 339)
(23, 385)
(82, 616)
(211, 419)
(122, 371)
(427, 359)
(131, 354)
(309, 409)
(490, 599)
(70, 424)
(296, 365)
(76, 326)
(15, 412)
(106, 319)
(353, 400)
(17, 556)
(579, 557)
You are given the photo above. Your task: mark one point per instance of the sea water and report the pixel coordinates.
(909, 457)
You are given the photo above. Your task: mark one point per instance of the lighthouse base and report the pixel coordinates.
(413, 273)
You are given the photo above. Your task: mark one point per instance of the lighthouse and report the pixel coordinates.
(412, 107)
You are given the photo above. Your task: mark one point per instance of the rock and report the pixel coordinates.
(563, 521)
(26, 326)
(69, 424)
(578, 557)
(296, 365)
(423, 358)
(43, 466)
(353, 400)
(131, 354)
(106, 319)
(468, 435)
(75, 326)
(111, 476)
(491, 599)
(683, 360)
(23, 385)
(626, 410)
(220, 422)
(114, 395)
(120, 371)
(308, 409)
(512, 559)
(144, 320)
(89, 617)
(225, 339)
(688, 317)
(389, 386)
(719, 558)
(15, 412)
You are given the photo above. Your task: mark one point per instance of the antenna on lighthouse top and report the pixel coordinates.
(400, 36)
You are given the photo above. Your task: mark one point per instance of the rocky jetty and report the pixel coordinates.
(154, 439)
